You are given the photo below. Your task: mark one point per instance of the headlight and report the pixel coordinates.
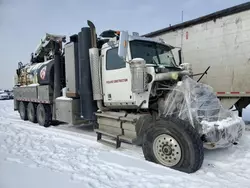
(174, 75)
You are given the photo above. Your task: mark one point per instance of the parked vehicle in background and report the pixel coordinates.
(11, 95)
(4, 95)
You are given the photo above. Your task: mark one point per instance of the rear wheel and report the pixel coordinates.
(31, 110)
(44, 115)
(23, 111)
(174, 143)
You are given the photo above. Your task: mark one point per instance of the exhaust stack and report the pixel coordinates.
(57, 76)
(88, 105)
(95, 66)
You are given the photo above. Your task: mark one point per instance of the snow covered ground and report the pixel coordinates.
(35, 157)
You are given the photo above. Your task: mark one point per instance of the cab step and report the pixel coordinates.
(118, 138)
(126, 140)
(100, 133)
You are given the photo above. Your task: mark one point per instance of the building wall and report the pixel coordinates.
(223, 44)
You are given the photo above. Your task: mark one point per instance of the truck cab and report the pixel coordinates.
(123, 86)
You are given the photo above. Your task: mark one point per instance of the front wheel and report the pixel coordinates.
(174, 143)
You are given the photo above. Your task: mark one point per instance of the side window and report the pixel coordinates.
(113, 61)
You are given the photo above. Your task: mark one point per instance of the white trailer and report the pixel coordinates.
(221, 41)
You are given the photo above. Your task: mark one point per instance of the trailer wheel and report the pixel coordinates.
(44, 115)
(31, 110)
(23, 111)
(174, 143)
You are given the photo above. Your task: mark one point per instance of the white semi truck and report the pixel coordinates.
(130, 88)
(221, 42)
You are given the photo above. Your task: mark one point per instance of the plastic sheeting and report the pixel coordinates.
(197, 104)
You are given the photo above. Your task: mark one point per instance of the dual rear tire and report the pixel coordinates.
(31, 112)
(36, 113)
(22, 109)
(44, 116)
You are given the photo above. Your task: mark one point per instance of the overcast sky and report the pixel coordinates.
(24, 22)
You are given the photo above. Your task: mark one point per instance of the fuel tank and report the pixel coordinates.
(38, 73)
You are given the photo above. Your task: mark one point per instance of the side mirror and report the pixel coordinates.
(180, 56)
(123, 44)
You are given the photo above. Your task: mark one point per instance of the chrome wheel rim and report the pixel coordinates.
(167, 150)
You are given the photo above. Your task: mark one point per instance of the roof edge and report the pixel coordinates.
(213, 16)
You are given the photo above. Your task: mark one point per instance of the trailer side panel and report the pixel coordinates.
(223, 44)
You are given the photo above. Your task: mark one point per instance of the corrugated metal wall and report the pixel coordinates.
(223, 44)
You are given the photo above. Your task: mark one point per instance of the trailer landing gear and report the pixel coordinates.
(174, 143)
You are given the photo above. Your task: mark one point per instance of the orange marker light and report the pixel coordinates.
(125, 43)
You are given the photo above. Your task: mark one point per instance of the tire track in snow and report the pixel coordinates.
(84, 159)
(79, 160)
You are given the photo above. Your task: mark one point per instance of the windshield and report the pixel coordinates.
(152, 53)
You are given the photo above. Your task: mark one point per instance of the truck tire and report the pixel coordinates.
(174, 143)
(22, 108)
(43, 113)
(31, 111)
(142, 125)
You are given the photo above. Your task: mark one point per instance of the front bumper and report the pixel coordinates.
(224, 133)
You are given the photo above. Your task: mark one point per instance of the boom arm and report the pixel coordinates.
(44, 49)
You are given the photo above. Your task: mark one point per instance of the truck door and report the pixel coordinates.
(116, 78)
